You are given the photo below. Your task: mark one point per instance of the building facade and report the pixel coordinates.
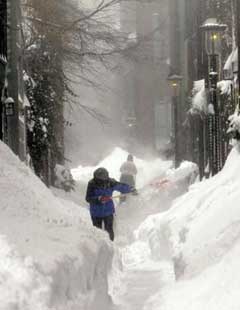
(13, 127)
(146, 94)
(198, 140)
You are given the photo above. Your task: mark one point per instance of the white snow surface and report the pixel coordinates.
(168, 254)
(51, 256)
(201, 235)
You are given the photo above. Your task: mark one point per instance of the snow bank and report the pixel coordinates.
(21, 285)
(142, 244)
(51, 258)
(200, 233)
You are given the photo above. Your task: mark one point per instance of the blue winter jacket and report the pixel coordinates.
(97, 188)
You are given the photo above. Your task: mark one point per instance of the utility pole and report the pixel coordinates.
(12, 73)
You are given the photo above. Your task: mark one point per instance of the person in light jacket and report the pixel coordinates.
(128, 174)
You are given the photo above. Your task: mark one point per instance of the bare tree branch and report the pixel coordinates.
(101, 6)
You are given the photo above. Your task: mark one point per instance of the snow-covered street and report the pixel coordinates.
(119, 155)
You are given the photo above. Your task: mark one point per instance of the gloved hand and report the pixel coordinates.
(104, 199)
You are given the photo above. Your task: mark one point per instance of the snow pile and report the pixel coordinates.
(51, 258)
(187, 170)
(200, 234)
(174, 183)
(153, 199)
(146, 170)
(143, 274)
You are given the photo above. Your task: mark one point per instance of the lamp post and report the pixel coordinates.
(212, 30)
(130, 125)
(13, 71)
(175, 82)
(237, 17)
(3, 63)
(9, 106)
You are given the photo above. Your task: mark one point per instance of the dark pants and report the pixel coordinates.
(108, 224)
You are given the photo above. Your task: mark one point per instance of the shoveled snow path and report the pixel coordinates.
(142, 283)
(141, 277)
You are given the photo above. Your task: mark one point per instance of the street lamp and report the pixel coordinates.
(3, 64)
(213, 35)
(130, 127)
(213, 30)
(131, 121)
(175, 82)
(9, 106)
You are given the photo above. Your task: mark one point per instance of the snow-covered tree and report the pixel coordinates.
(45, 88)
(65, 42)
(234, 125)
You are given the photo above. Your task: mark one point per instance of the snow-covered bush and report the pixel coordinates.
(199, 98)
(63, 178)
(234, 126)
(225, 87)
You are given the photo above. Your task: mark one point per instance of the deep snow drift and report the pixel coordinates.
(186, 257)
(51, 257)
(200, 234)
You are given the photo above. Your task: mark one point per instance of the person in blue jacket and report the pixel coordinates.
(99, 196)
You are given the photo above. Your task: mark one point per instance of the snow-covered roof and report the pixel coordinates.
(231, 64)
(213, 24)
(235, 60)
(228, 63)
(235, 55)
